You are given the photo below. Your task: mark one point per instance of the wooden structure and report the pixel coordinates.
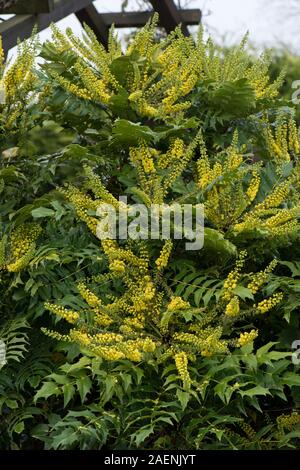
(42, 13)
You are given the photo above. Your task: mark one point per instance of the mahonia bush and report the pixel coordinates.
(140, 337)
(154, 78)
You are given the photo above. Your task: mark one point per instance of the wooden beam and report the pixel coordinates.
(21, 26)
(134, 19)
(169, 15)
(90, 16)
(29, 7)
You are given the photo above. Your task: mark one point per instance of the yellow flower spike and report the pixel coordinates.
(181, 362)
(117, 267)
(288, 421)
(231, 281)
(149, 291)
(233, 307)
(260, 278)
(135, 95)
(177, 303)
(70, 315)
(163, 259)
(88, 295)
(23, 246)
(175, 152)
(253, 186)
(247, 337)
(80, 337)
(267, 304)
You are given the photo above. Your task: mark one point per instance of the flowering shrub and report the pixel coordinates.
(145, 344)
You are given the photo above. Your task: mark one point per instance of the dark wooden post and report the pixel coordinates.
(169, 15)
(93, 19)
(25, 7)
(42, 13)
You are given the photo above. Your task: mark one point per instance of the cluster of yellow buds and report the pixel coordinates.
(83, 204)
(175, 152)
(80, 337)
(102, 318)
(294, 144)
(288, 421)
(207, 341)
(109, 353)
(267, 304)
(189, 338)
(149, 290)
(206, 353)
(204, 171)
(148, 345)
(22, 262)
(163, 259)
(70, 315)
(247, 337)
(22, 238)
(55, 335)
(18, 79)
(232, 279)
(23, 246)
(233, 307)
(253, 186)
(248, 430)
(260, 278)
(282, 217)
(234, 157)
(72, 88)
(177, 303)
(258, 76)
(95, 87)
(181, 362)
(147, 110)
(117, 266)
(287, 229)
(284, 140)
(134, 323)
(277, 197)
(135, 95)
(92, 299)
(107, 338)
(143, 155)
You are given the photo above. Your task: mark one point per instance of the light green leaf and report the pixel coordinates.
(183, 398)
(68, 391)
(48, 389)
(84, 385)
(42, 212)
(252, 392)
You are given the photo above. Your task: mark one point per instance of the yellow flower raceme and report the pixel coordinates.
(117, 266)
(163, 259)
(253, 187)
(247, 337)
(181, 362)
(88, 295)
(233, 307)
(23, 246)
(267, 304)
(177, 303)
(288, 421)
(70, 315)
(260, 278)
(232, 279)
